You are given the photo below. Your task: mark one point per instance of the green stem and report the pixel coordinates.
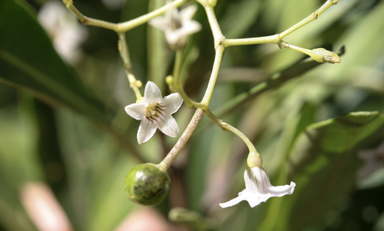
(251, 41)
(174, 152)
(126, 26)
(277, 38)
(215, 27)
(89, 21)
(310, 18)
(214, 74)
(227, 127)
(124, 53)
(120, 27)
(296, 48)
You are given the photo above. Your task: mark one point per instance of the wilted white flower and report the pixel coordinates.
(177, 25)
(66, 32)
(374, 159)
(258, 188)
(155, 112)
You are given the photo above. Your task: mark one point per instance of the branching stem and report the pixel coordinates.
(123, 26)
(174, 152)
(220, 43)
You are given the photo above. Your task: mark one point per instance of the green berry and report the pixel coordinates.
(146, 184)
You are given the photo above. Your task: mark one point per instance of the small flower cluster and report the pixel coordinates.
(154, 111)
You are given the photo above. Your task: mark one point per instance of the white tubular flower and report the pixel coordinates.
(258, 189)
(177, 25)
(155, 112)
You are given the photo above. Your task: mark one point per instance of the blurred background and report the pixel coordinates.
(66, 143)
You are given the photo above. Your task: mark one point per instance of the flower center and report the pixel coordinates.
(175, 23)
(154, 111)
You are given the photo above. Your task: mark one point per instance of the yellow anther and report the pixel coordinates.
(151, 110)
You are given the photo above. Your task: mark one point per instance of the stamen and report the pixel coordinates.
(154, 111)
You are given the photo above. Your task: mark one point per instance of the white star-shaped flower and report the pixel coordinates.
(177, 25)
(258, 189)
(66, 32)
(155, 112)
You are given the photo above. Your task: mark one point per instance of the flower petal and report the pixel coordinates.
(190, 28)
(279, 191)
(136, 110)
(172, 103)
(172, 36)
(259, 178)
(234, 201)
(188, 12)
(146, 131)
(158, 22)
(152, 93)
(169, 127)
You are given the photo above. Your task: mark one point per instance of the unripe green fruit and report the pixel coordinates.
(146, 184)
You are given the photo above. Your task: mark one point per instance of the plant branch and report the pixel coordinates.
(174, 152)
(123, 26)
(124, 53)
(214, 74)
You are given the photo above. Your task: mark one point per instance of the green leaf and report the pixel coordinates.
(28, 61)
(323, 164)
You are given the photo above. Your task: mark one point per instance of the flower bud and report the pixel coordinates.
(321, 55)
(146, 184)
(169, 79)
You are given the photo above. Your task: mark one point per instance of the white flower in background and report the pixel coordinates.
(177, 25)
(113, 4)
(155, 112)
(374, 160)
(63, 27)
(258, 189)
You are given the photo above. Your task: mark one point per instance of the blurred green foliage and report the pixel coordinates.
(65, 124)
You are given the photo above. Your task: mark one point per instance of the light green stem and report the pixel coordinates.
(227, 127)
(214, 74)
(120, 27)
(90, 21)
(174, 152)
(251, 41)
(124, 53)
(126, 26)
(296, 48)
(308, 19)
(277, 38)
(216, 31)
